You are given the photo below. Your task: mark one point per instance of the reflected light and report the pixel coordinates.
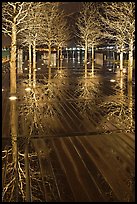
(112, 80)
(39, 68)
(27, 89)
(2, 89)
(110, 69)
(25, 68)
(12, 98)
(124, 70)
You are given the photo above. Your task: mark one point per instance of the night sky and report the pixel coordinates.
(70, 7)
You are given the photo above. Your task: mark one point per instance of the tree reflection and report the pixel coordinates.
(87, 91)
(130, 104)
(23, 177)
(86, 70)
(14, 176)
(116, 109)
(39, 104)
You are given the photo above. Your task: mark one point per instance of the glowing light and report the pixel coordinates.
(2, 89)
(12, 98)
(112, 80)
(110, 69)
(124, 70)
(28, 89)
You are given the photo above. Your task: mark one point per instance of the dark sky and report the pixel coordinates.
(70, 7)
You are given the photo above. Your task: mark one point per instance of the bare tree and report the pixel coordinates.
(13, 14)
(33, 35)
(62, 33)
(119, 20)
(88, 28)
(49, 34)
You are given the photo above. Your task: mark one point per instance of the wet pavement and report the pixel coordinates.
(70, 138)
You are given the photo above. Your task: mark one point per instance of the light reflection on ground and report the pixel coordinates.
(70, 105)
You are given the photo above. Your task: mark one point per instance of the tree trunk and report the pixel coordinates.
(49, 56)
(130, 62)
(58, 63)
(92, 52)
(30, 59)
(58, 53)
(20, 56)
(85, 59)
(61, 56)
(34, 63)
(49, 62)
(92, 60)
(78, 57)
(13, 61)
(86, 52)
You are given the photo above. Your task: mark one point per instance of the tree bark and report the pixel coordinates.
(130, 63)
(13, 61)
(30, 59)
(49, 56)
(20, 56)
(85, 59)
(49, 62)
(34, 63)
(58, 53)
(61, 56)
(92, 59)
(86, 52)
(92, 52)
